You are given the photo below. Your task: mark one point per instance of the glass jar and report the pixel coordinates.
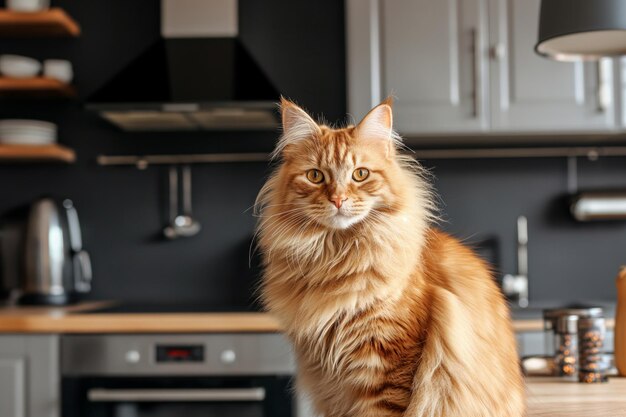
(561, 326)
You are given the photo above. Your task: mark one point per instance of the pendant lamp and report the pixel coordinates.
(571, 30)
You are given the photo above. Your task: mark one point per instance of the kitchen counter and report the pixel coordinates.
(554, 398)
(81, 319)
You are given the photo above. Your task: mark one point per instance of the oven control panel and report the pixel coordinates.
(247, 354)
(179, 353)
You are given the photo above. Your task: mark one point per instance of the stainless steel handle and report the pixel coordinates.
(475, 73)
(518, 284)
(522, 246)
(176, 395)
(602, 88)
(173, 192)
(76, 241)
(187, 190)
(82, 272)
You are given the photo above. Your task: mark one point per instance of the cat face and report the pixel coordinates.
(338, 177)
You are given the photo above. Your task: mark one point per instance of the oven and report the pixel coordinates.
(217, 375)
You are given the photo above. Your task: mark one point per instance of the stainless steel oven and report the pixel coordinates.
(218, 375)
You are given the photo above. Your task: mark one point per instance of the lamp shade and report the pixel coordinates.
(582, 29)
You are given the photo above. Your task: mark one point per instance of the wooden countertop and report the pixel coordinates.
(552, 397)
(75, 319)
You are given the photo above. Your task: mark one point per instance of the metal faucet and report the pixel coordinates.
(517, 285)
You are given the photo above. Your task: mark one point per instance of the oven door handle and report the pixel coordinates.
(176, 395)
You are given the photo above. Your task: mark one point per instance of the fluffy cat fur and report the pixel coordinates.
(388, 316)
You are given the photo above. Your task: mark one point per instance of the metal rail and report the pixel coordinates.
(143, 161)
(591, 152)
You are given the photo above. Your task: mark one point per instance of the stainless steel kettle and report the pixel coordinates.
(55, 265)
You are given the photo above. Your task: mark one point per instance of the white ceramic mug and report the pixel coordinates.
(27, 5)
(59, 69)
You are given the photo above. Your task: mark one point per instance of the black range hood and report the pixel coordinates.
(208, 83)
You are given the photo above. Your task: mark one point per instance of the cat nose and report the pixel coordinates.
(338, 200)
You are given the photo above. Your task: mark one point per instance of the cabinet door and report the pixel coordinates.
(29, 376)
(12, 392)
(429, 54)
(532, 93)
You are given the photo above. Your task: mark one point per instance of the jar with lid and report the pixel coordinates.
(561, 326)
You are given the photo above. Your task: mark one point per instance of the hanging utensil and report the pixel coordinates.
(185, 224)
(181, 225)
(170, 230)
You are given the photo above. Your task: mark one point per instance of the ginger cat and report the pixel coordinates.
(388, 316)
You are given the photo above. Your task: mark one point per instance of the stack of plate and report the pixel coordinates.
(27, 132)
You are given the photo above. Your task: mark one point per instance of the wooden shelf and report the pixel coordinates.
(36, 153)
(50, 23)
(36, 87)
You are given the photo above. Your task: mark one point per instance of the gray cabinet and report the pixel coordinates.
(531, 93)
(29, 376)
(13, 391)
(468, 67)
(425, 52)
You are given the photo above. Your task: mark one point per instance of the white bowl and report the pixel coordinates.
(59, 69)
(17, 66)
(27, 5)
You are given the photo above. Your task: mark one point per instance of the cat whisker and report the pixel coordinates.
(279, 213)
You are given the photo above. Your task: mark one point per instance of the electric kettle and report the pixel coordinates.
(55, 266)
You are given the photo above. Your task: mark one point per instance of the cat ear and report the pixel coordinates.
(378, 125)
(297, 124)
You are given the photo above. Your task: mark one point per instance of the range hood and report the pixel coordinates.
(197, 76)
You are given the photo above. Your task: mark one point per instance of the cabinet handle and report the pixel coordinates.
(601, 92)
(475, 73)
(175, 395)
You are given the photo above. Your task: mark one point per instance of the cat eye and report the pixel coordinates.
(315, 176)
(360, 174)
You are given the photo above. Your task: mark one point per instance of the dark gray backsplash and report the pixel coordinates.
(301, 46)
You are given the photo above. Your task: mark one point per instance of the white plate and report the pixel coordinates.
(27, 136)
(27, 123)
(26, 140)
(27, 132)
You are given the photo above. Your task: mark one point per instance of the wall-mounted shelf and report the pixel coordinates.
(54, 22)
(36, 153)
(36, 87)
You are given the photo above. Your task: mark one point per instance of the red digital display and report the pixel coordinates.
(180, 353)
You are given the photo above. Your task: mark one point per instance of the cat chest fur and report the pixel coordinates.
(373, 354)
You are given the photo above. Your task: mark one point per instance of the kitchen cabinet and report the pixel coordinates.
(12, 395)
(532, 93)
(29, 376)
(467, 67)
(424, 52)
